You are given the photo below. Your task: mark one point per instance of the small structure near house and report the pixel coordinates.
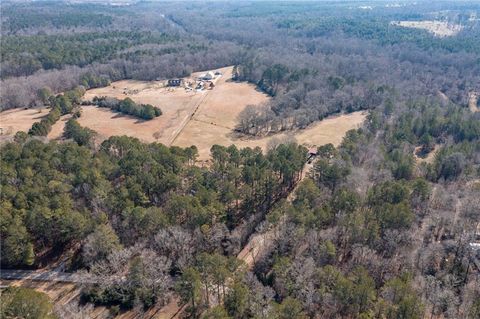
(174, 82)
(312, 153)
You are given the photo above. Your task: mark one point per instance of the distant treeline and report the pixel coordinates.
(128, 106)
(56, 51)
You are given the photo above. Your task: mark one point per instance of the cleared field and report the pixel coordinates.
(15, 120)
(201, 118)
(330, 130)
(223, 104)
(177, 105)
(437, 28)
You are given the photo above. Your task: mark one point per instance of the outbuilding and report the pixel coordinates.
(312, 153)
(174, 82)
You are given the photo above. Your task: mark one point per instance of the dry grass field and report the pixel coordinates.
(189, 117)
(180, 108)
(177, 106)
(57, 128)
(330, 130)
(15, 120)
(437, 28)
(200, 118)
(225, 102)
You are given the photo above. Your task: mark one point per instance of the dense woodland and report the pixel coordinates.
(381, 227)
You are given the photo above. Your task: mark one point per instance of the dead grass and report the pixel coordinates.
(330, 130)
(189, 117)
(220, 106)
(57, 129)
(15, 120)
(177, 106)
(437, 28)
(224, 103)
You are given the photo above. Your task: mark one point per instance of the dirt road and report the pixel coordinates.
(260, 242)
(44, 275)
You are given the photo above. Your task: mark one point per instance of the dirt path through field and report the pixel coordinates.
(187, 119)
(203, 134)
(260, 242)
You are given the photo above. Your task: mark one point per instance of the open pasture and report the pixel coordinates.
(15, 120)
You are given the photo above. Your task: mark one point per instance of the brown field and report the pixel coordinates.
(189, 117)
(437, 28)
(57, 128)
(200, 118)
(15, 120)
(330, 130)
(177, 106)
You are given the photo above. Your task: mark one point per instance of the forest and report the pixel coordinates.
(384, 225)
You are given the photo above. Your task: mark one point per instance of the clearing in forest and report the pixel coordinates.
(428, 158)
(177, 104)
(200, 118)
(330, 130)
(437, 28)
(214, 108)
(15, 120)
(473, 102)
(190, 117)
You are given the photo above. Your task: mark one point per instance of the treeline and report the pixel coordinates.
(141, 65)
(24, 55)
(60, 104)
(128, 106)
(83, 136)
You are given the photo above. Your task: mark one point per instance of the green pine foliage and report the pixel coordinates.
(128, 106)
